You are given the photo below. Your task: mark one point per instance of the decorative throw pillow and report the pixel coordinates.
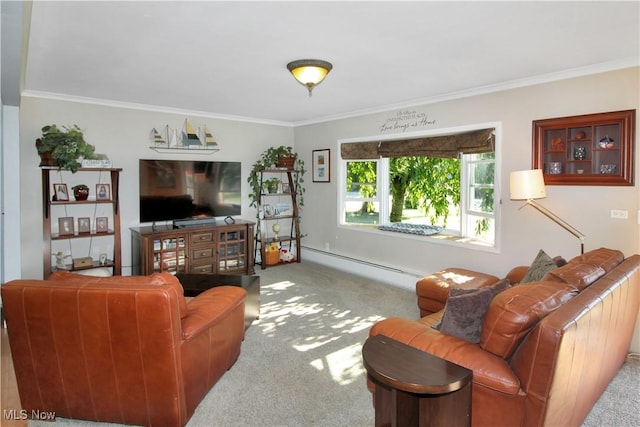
(465, 309)
(541, 265)
(559, 261)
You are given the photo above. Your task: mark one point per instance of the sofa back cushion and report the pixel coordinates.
(606, 258)
(154, 279)
(577, 274)
(515, 311)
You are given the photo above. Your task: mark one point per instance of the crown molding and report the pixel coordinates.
(148, 107)
(482, 90)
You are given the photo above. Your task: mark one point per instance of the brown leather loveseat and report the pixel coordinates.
(548, 348)
(128, 350)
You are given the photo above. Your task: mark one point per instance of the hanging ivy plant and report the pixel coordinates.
(270, 158)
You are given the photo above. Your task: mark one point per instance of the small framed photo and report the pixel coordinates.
(286, 188)
(84, 225)
(65, 225)
(60, 193)
(283, 209)
(103, 192)
(321, 165)
(268, 211)
(102, 224)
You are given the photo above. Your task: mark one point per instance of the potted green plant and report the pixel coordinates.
(80, 192)
(271, 185)
(281, 157)
(62, 147)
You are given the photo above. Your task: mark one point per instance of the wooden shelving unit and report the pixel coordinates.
(271, 211)
(53, 210)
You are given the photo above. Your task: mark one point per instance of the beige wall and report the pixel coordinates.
(123, 134)
(524, 231)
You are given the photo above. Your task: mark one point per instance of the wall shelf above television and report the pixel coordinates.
(185, 150)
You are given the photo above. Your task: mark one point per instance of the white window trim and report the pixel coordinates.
(383, 178)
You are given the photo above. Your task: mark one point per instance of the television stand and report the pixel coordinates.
(200, 249)
(181, 223)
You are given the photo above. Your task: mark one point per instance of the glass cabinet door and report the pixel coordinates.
(169, 254)
(231, 250)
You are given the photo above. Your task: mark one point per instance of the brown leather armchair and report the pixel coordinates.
(127, 350)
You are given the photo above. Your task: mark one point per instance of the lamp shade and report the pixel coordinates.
(309, 72)
(525, 185)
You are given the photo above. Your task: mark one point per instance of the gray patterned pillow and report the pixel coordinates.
(541, 265)
(465, 309)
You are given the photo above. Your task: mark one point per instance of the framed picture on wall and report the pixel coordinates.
(321, 165)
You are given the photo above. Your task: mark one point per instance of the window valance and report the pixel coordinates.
(441, 146)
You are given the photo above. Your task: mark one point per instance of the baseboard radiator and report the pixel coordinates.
(375, 271)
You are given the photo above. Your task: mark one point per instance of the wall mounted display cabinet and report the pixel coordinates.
(591, 149)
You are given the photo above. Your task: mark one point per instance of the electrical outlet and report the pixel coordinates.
(619, 214)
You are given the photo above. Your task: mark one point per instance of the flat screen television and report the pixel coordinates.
(172, 190)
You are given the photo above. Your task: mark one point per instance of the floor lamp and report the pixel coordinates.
(529, 185)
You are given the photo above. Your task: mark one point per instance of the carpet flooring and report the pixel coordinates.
(301, 362)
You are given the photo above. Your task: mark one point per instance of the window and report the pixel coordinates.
(478, 219)
(455, 192)
(361, 203)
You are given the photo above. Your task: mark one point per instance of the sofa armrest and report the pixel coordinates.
(209, 308)
(433, 290)
(516, 274)
(488, 369)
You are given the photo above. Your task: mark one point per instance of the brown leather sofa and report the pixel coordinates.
(128, 350)
(548, 349)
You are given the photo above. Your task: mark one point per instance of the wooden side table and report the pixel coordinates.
(414, 388)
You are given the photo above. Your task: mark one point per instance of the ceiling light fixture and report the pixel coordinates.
(309, 72)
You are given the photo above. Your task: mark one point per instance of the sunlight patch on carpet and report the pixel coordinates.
(344, 365)
(314, 342)
(357, 324)
(279, 286)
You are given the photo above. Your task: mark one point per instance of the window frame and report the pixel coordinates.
(382, 191)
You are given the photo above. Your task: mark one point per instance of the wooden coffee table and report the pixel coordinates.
(194, 284)
(414, 388)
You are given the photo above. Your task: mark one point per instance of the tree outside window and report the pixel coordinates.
(455, 193)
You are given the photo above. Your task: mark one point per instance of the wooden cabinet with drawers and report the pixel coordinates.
(205, 249)
(202, 252)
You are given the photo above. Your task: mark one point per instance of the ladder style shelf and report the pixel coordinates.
(102, 240)
(279, 208)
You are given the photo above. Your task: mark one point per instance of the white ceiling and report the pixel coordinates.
(229, 58)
